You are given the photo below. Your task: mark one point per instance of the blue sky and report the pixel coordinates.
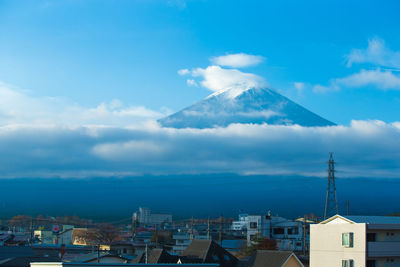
(68, 65)
(96, 51)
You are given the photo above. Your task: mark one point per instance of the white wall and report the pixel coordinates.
(326, 244)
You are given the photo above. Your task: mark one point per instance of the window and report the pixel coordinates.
(371, 237)
(253, 225)
(347, 240)
(278, 231)
(371, 263)
(293, 231)
(347, 263)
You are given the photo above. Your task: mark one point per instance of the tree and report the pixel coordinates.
(21, 221)
(259, 243)
(103, 234)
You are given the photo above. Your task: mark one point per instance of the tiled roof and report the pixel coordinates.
(269, 258)
(374, 219)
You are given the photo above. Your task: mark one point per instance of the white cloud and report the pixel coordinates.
(318, 88)
(376, 53)
(183, 72)
(380, 79)
(299, 86)
(365, 149)
(239, 60)
(191, 82)
(216, 79)
(384, 77)
(19, 107)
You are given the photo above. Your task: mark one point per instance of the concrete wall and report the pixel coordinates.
(326, 244)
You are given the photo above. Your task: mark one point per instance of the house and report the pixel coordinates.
(241, 224)
(183, 240)
(207, 251)
(108, 258)
(13, 256)
(70, 264)
(4, 237)
(157, 255)
(273, 258)
(289, 234)
(360, 241)
(25, 261)
(65, 236)
(122, 248)
(145, 217)
(44, 237)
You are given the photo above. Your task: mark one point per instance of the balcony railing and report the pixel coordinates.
(383, 249)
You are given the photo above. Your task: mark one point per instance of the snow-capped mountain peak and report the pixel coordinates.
(243, 105)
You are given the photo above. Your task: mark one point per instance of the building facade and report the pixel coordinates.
(145, 217)
(289, 234)
(356, 241)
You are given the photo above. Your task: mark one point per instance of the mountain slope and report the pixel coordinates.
(254, 105)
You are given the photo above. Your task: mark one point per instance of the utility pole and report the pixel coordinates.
(98, 253)
(134, 226)
(146, 255)
(348, 207)
(208, 228)
(156, 236)
(304, 234)
(220, 230)
(31, 239)
(331, 206)
(191, 229)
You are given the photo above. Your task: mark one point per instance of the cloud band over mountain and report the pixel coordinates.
(364, 149)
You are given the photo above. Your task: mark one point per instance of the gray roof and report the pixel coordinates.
(25, 261)
(374, 219)
(155, 255)
(198, 248)
(269, 258)
(15, 251)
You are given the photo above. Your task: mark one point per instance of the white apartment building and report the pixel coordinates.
(146, 218)
(241, 224)
(356, 241)
(287, 233)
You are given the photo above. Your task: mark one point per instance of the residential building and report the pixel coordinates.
(44, 237)
(289, 234)
(241, 224)
(207, 251)
(183, 240)
(95, 264)
(273, 258)
(359, 241)
(145, 217)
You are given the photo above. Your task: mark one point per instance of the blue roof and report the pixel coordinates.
(374, 219)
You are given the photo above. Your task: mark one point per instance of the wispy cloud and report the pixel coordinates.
(20, 107)
(239, 60)
(380, 79)
(299, 86)
(376, 53)
(384, 76)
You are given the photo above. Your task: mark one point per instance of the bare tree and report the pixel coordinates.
(104, 234)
